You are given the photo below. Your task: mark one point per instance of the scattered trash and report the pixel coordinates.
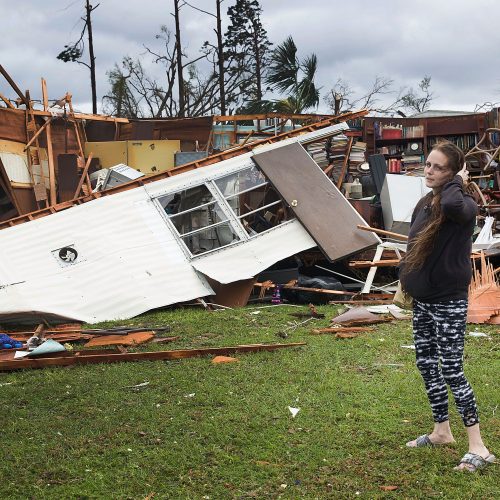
(412, 346)
(358, 316)
(224, 359)
(190, 395)
(136, 338)
(7, 342)
(138, 386)
(293, 411)
(389, 488)
(50, 346)
(478, 334)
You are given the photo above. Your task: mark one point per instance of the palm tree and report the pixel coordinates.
(287, 74)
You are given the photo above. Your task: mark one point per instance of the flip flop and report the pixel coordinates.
(421, 442)
(475, 462)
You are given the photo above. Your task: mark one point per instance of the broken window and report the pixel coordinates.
(198, 219)
(227, 210)
(255, 202)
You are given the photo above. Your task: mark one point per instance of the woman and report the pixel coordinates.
(436, 272)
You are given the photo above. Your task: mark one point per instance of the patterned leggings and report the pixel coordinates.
(439, 331)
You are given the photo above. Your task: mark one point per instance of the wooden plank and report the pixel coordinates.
(378, 263)
(311, 195)
(264, 116)
(38, 132)
(128, 339)
(344, 163)
(50, 152)
(317, 290)
(14, 86)
(114, 357)
(86, 116)
(382, 232)
(7, 101)
(83, 177)
(68, 97)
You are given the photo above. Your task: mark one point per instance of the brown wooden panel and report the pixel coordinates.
(67, 176)
(317, 203)
(12, 125)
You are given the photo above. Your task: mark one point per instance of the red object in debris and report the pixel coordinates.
(394, 166)
(392, 133)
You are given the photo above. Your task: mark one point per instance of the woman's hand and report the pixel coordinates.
(464, 173)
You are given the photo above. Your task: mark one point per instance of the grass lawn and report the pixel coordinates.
(199, 430)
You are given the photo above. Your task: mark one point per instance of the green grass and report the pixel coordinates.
(201, 430)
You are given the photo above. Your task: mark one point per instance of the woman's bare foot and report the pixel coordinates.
(441, 434)
(476, 447)
(480, 451)
(431, 440)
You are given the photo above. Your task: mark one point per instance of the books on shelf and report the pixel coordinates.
(464, 142)
(395, 131)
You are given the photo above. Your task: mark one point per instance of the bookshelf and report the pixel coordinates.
(410, 139)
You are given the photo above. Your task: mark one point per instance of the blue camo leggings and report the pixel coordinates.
(439, 331)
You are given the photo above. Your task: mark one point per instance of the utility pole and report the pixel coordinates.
(88, 21)
(178, 49)
(220, 56)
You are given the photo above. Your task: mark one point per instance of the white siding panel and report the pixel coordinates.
(128, 262)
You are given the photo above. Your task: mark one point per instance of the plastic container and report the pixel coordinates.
(356, 190)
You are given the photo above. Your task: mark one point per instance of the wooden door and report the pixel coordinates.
(316, 202)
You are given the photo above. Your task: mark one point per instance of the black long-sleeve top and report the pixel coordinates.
(446, 273)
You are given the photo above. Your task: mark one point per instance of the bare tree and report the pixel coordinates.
(418, 102)
(342, 99)
(74, 51)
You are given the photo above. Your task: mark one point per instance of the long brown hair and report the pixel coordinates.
(423, 244)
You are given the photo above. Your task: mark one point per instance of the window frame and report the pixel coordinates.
(233, 219)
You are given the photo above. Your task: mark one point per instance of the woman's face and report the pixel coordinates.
(437, 172)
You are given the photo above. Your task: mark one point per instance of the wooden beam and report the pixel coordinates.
(396, 236)
(263, 116)
(376, 263)
(39, 131)
(7, 101)
(88, 357)
(318, 290)
(87, 116)
(50, 152)
(75, 123)
(84, 174)
(14, 86)
(344, 163)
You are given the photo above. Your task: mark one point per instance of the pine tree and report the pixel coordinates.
(247, 48)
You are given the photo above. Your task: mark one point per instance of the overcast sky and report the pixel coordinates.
(456, 42)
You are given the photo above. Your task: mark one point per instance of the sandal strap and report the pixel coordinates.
(423, 441)
(476, 460)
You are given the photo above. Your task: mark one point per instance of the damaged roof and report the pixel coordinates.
(153, 245)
